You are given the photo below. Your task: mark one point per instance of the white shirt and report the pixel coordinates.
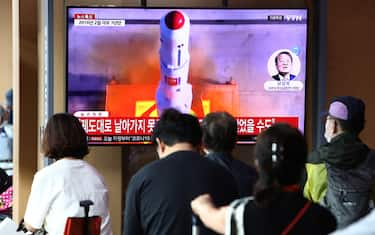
(57, 190)
(364, 226)
(284, 78)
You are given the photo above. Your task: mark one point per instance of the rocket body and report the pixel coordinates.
(174, 91)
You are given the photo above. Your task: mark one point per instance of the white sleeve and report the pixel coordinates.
(234, 218)
(40, 200)
(365, 226)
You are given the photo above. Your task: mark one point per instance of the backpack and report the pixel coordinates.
(349, 191)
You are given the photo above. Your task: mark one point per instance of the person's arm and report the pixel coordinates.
(212, 217)
(42, 194)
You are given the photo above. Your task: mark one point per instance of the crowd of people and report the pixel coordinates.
(287, 192)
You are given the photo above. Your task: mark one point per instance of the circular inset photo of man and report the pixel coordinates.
(283, 65)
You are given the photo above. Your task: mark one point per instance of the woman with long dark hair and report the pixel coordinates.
(278, 206)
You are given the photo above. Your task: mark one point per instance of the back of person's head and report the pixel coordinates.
(281, 153)
(64, 136)
(175, 127)
(219, 132)
(349, 111)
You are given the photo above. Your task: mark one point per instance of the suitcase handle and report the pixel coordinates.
(86, 206)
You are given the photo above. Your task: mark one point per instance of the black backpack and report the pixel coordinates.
(348, 194)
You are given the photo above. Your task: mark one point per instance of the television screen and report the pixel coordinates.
(126, 65)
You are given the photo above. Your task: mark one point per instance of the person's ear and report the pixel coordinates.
(160, 147)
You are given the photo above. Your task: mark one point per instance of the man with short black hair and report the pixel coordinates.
(341, 173)
(219, 139)
(158, 197)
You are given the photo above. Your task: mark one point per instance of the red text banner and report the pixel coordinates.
(144, 126)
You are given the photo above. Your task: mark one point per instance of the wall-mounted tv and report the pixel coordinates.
(126, 65)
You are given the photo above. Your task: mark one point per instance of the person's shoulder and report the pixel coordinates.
(371, 154)
(242, 165)
(319, 219)
(48, 175)
(244, 168)
(93, 172)
(212, 166)
(321, 212)
(147, 171)
(370, 159)
(55, 166)
(217, 172)
(148, 168)
(202, 163)
(314, 210)
(276, 77)
(215, 161)
(63, 167)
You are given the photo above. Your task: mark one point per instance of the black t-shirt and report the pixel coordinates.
(274, 219)
(159, 195)
(244, 175)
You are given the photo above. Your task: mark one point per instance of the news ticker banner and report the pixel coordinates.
(114, 130)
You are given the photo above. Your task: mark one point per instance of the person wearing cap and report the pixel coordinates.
(340, 173)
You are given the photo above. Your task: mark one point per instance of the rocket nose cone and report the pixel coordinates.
(174, 20)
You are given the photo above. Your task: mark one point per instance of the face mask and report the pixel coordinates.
(329, 129)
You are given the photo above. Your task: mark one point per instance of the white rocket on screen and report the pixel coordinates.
(174, 91)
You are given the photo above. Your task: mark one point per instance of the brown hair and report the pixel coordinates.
(64, 136)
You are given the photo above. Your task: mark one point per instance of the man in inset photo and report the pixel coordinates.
(284, 66)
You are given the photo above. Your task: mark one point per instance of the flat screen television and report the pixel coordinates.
(126, 65)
